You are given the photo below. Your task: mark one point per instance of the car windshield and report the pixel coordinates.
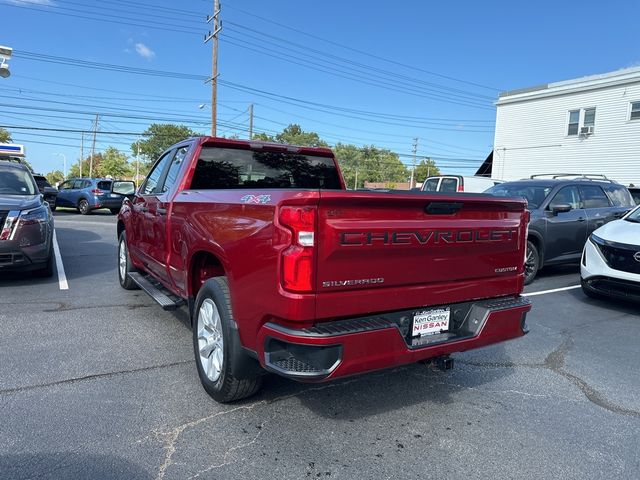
(634, 216)
(15, 181)
(534, 194)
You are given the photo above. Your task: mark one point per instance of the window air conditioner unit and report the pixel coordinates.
(586, 130)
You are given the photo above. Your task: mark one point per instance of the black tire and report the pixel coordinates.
(114, 211)
(47, 271)
(83, 207)
(226, 388)
(52, 207)
(125, 280)
(532, 263)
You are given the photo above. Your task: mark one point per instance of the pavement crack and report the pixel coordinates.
(170, 438)
(228, 453)
(555, 362)
(64, 307)
(92, 377)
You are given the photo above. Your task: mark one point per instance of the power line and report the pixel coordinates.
(362, 52)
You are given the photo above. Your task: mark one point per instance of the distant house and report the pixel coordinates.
(589, 125)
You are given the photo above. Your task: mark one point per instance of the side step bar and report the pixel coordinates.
(156, 291)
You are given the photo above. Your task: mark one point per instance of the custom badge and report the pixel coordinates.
(258, 199)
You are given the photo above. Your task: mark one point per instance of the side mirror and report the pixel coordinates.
(560, 208)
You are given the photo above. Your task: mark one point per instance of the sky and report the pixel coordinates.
(364, 72)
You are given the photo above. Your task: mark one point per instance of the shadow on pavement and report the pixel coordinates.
(380, 392)
(67, 465)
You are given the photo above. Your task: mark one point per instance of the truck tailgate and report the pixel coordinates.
(429, 249)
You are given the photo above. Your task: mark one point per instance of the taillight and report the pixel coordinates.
(461, 188)
(298, 260)
(97, 191)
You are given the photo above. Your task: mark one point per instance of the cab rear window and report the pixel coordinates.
(220, 168)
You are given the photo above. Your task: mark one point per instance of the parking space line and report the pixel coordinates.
(544, 292)
(62, 277)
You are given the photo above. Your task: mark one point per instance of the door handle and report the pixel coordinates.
(161, 211)
(581, 219)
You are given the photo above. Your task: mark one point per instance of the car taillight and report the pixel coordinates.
(298, 260)
(97, 191)
(461, 188)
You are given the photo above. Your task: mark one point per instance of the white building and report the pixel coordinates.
(589, 125)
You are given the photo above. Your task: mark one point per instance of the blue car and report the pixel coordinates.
(88, 194)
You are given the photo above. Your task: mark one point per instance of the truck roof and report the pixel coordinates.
(252, 144)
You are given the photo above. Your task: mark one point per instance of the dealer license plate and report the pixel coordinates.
(431, 322)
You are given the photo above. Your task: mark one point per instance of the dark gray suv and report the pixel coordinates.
(26, 223)
(564, 212)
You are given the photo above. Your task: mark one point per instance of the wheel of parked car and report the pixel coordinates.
(124, 265)
(47, 271)
(52, 207)
(211, 323)
(114, 211)
(532, 263)
(83, 207)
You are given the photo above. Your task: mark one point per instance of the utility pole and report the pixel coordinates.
(217, 26)
(137, 161)
(250, 121)
(413, 170)
(81, 152)
(93, 147)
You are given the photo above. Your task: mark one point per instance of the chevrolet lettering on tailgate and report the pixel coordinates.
(426, 237)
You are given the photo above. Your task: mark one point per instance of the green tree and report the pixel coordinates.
(159, 137)
(381, 165)
(350, 159)
(55, 177)
(5, 136)
(294, 135)
(424, 169)
(115, 164)
(74, 171)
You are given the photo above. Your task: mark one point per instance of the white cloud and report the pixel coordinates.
(46, 3)
(144, 51)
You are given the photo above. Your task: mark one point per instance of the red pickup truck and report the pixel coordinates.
(284, 270)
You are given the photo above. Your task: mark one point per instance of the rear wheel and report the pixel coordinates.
(532, 263)
(83, 207)
(212, 345)
(47, 271)
(124, 265)
(52, 207)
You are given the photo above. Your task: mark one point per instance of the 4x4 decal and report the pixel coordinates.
(259, 199)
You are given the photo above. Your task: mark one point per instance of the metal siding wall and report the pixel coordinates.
(531, 136)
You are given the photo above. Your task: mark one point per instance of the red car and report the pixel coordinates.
(284, 270)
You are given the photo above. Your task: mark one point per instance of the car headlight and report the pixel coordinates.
(34, 216)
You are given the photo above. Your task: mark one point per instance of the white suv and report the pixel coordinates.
(610, 263)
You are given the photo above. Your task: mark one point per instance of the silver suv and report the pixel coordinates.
(26, 222)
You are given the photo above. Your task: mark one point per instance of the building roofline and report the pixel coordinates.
(591, 82)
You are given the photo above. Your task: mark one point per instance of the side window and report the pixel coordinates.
(174, 168)
(449, 185)
(574, 122)
(430, 185)
(66, 185)
(566, 195)
(77, 184)
(151, 183)
(593, 197)
(619, 195)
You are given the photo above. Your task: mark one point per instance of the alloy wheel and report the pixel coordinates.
(210, 340)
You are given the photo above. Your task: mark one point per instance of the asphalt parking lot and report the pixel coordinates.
(98, 382)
